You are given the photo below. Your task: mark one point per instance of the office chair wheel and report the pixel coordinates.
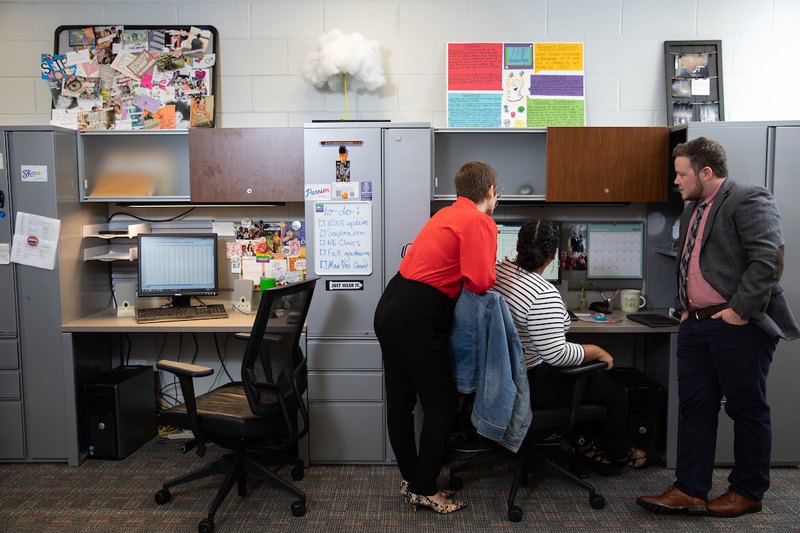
(456, 483)
(515, 514)
(597, 501)
(297, 473)
(162, 496)
(206, 526)
(298, 509)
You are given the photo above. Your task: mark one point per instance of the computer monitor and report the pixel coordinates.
(178, 265)
(507, 235)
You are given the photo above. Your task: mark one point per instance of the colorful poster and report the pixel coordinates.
(515, 85)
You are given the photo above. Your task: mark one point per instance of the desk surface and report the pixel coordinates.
(108, 321)
(626, 326)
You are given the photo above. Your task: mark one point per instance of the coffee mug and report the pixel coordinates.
(632, 300)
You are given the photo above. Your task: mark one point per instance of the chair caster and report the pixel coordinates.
(297, 473)
(206, 526)
(162, 496)
(515, 514)
(597, 501)
(456, 483)
(298, 508)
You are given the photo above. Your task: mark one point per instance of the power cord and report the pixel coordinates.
(176, 217)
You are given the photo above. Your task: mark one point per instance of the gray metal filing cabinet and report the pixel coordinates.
(37, 391)
(390, 164)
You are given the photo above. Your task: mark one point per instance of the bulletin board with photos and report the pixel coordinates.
(124, 77)
(694, 81)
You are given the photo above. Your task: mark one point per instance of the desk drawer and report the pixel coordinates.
(345, 386)
(12, 440)
(344, 355)
(9, 354)
(9, 386)
(346, 432)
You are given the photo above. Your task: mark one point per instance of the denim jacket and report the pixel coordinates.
(488, 359)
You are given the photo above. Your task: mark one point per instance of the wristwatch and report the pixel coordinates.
(742, 316)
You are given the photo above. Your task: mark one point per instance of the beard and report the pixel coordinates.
(695, 193)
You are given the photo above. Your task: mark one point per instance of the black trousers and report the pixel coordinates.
(412, 323)
(715, 359)
(551, 389)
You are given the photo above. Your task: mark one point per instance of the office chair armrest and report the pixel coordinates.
(186, 373)
(580, 372)
(184, 369)
(580, 369)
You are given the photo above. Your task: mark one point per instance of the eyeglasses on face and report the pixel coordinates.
(499, 191)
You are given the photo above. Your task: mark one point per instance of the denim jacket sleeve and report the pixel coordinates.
(487, 358)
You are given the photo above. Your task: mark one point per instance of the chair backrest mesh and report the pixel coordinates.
(273, 355)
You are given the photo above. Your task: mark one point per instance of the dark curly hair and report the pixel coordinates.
(538, 239)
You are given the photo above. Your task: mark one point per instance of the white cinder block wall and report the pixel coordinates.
(262, 44)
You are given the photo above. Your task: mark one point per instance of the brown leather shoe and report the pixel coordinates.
(673, 501)
(731, 504)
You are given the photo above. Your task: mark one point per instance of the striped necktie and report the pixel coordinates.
(688, 252)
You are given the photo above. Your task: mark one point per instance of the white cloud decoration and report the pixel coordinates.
(339, 54)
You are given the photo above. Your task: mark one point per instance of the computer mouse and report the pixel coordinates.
(599, 317)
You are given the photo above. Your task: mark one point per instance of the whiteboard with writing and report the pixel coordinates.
(343, 238)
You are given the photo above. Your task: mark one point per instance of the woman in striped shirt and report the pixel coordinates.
(542, 322)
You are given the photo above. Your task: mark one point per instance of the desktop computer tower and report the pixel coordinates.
(640, 397)
(120, 411)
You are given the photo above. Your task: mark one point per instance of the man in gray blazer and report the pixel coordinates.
(734, 312)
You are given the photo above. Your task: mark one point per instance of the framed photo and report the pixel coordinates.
(694, 81)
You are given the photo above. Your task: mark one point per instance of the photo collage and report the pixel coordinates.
(268, 250)
(113, 78)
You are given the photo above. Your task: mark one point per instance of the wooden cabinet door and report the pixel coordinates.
(615, 164)
(245, 165)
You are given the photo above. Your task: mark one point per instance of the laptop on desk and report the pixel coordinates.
(653, 320)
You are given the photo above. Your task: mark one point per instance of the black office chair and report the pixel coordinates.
(532, 454)
(257, 418)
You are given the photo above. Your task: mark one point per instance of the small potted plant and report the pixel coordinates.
(582, 283)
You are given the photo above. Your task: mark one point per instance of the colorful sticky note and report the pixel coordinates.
(543, 113)
(474, 66)
(558, 56)
(147, 80)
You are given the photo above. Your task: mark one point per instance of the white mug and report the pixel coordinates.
(632, 300)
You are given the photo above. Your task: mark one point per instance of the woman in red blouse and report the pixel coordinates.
(457, 247)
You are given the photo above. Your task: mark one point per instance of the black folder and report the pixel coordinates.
(653, 320)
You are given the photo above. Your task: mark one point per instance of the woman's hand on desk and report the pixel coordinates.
(596, 353)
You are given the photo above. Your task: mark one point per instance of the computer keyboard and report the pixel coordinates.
(169, 314)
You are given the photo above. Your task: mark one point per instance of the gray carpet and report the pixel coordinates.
(118, 496)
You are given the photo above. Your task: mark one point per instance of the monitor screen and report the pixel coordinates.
(177, 265)
(507, 235)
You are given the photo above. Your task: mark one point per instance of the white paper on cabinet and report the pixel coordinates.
(35, 241)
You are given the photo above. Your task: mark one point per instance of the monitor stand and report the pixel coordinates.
(181, 301)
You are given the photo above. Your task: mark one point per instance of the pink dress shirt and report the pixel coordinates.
(699, 292)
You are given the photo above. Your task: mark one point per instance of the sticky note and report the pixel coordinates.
(558, 56)
(543, 113)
